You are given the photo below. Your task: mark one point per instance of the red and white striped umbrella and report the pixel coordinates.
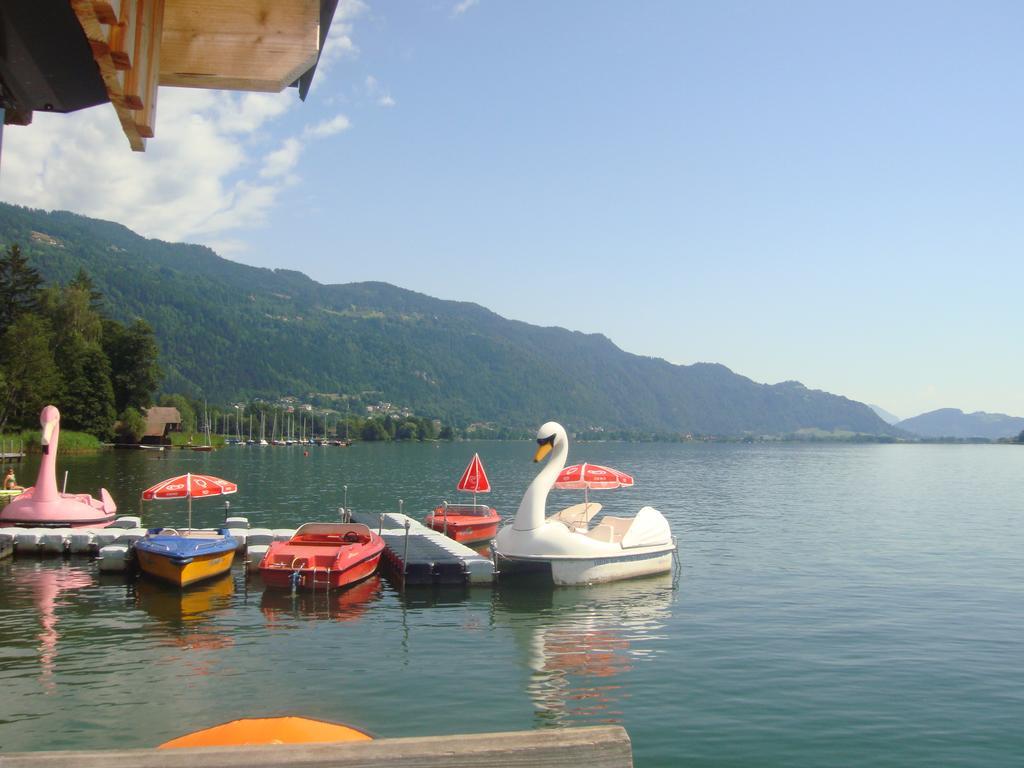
(474, 479)
(592, 476)
(184, 486)
(189, 485)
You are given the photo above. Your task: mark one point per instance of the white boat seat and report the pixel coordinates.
(578, 515)
(603, 533)
(620, 525)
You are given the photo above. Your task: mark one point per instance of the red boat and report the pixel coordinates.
(467, 523)
(322, 556)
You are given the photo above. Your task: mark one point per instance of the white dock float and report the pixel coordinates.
(421, 555)
(254, 554)
(26, 540)
(81, 541)
(115, 557)
(54, 541)
(259, 536)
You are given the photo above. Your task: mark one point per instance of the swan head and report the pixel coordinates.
(49, 418)
(548, 436)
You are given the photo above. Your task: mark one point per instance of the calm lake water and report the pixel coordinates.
(836, 605)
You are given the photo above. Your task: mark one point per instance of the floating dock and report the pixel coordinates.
(414, 554)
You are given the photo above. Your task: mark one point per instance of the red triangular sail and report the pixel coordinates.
(474, 479)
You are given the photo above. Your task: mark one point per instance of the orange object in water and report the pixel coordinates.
(268, 730)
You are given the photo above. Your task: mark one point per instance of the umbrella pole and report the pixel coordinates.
(188, 495)
(190, 513)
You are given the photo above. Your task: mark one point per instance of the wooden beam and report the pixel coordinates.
(593, 747)
(100, 40)
(251, 45)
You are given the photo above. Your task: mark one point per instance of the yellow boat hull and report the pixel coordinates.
(199, 568)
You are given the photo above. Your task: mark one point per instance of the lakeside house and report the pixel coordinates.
(160, 422)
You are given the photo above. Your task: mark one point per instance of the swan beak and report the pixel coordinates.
(544, 447)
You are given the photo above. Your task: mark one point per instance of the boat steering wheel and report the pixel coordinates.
(352, 537)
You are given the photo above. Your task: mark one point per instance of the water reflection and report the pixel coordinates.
(48, 585)
(349, 604)
(185, 616)
(580, 643)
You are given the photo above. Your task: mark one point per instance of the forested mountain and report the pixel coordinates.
(229, 331)
(952, 422)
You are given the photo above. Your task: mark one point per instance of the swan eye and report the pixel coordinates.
(549, 440)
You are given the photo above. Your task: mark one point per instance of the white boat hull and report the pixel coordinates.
(574, 571)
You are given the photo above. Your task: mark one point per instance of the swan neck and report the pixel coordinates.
(532, 508)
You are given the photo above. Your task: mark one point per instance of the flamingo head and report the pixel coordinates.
(49, 420)
(550, 434)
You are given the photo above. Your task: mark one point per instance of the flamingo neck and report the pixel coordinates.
(46, 481)
(532, 508)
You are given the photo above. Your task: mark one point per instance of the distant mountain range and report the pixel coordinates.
(952, 422)
(884, 415)
(229, 331)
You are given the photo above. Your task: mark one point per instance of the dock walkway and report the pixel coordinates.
(417, 554)
(599, 746)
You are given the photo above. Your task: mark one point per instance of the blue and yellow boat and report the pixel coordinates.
(184, 560)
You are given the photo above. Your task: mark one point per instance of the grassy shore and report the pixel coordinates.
(69, 442)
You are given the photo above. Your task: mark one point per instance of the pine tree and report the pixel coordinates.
(20, 286)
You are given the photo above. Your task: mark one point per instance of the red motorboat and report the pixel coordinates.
(467, 523)
(322, 556)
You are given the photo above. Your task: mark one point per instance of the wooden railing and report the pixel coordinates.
(593, 747)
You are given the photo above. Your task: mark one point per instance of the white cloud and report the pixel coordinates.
(339, 42)
(207, 171)
(326, 128)
(281, 161)
(464, 6)
(380, 95)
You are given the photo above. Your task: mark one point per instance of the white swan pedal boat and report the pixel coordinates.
(614, 548)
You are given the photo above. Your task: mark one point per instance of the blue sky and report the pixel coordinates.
(826, 192)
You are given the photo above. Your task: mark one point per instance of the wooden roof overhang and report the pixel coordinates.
(122, 50)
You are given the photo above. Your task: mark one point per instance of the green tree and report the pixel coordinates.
(31, 378)
(134, 371)
(373, 430)
(407, 430)
(20, 286)
(188, 413)
(87, 396)
(131, 426)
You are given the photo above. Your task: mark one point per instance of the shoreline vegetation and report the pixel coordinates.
(73, 442)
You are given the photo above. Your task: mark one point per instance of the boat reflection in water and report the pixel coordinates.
(186, 616)
(579, 643)
(348, 604)
(48, 585)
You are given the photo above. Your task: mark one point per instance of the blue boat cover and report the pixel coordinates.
(181, 548)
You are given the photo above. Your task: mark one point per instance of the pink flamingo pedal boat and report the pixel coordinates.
(43, 506)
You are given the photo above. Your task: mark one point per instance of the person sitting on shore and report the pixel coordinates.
(11, 482)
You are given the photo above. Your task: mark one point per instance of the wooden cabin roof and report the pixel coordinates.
(63, 55)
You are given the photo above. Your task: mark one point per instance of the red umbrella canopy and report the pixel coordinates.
(587, 476)
(188, 486)
(474, 479)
